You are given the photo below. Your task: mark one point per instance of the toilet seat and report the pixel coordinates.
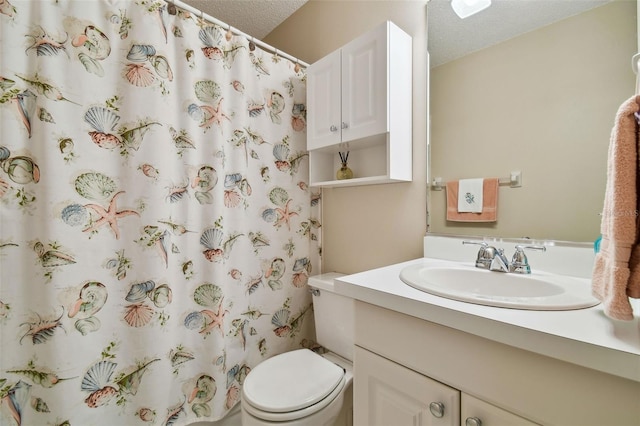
(292, 385)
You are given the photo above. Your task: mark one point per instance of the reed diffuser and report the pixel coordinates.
(344, 172)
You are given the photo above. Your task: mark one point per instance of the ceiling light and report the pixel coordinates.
(465, 8)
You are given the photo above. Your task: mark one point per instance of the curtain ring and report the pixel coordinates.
(229, 34)
(171, 8)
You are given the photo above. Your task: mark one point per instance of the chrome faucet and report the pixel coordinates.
(494, 259)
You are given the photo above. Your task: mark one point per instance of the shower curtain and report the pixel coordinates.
(157, 230)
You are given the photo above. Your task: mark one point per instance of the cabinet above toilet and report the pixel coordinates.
(359, 100)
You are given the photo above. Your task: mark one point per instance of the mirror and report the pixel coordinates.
(542, 103)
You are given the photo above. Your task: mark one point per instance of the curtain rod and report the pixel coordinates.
(215, 21)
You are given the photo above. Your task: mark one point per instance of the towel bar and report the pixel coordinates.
(514, 181)
(634, 63)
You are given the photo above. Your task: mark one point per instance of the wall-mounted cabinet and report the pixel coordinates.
(359, 100)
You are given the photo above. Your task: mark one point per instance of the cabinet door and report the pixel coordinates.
(475, 412)
(388, 394)
(364, 85)
(323, 100)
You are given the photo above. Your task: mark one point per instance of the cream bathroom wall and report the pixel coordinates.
(555, 128)
(367, 226)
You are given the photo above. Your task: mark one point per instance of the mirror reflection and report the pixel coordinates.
(542, 103)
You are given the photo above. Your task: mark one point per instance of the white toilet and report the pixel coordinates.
(300, 387)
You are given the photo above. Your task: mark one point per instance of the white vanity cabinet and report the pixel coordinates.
(359, 100)
(386, 393)
(402, 364)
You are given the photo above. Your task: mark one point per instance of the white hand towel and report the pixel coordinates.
(470, 195)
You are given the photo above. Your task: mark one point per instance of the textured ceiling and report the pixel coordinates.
(256, 18)
(451, 37)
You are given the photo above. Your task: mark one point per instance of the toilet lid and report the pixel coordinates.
(291, 381)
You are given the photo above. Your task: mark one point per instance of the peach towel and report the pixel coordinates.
(616, 272)
(489, 203)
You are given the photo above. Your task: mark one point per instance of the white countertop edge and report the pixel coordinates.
(584, 337)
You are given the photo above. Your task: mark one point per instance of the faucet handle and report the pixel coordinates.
(520, 262)
(486, 253)
(477, 243)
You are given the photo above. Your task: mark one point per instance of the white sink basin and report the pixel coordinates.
(538, 291)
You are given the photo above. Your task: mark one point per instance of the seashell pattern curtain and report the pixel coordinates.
(157, 231)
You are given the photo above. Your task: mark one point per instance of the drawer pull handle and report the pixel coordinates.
(437, 409)
(473, 421)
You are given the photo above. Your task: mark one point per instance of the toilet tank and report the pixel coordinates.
(333, 315)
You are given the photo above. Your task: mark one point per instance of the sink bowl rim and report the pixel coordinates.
(577, 294)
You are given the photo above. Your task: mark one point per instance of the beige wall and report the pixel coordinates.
(367, 226)
(555, 127)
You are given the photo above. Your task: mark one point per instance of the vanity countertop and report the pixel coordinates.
(584, 337)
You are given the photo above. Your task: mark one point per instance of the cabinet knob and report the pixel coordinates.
(473, 421)
(333, 128)
(437, 409)
(344, 125)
